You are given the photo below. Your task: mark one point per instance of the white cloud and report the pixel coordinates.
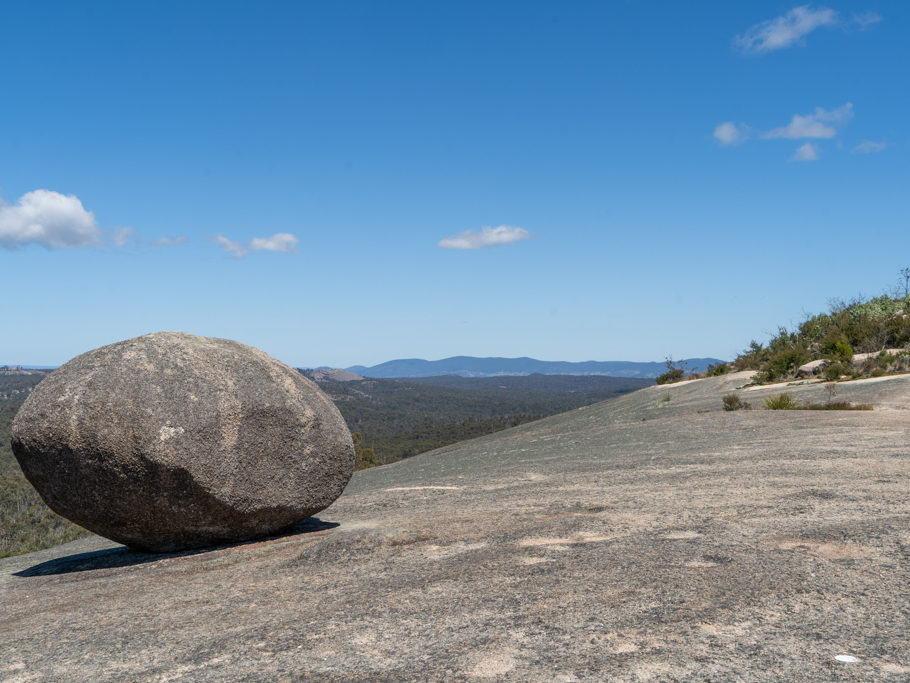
(866, 19)
(47, 218)
(728, 133)
(869, 147)
(786, 30)
(487, 237)
(230, 247)
(806, 152)
(282, 241)
(820, 124)
(167, 241)
(122, 236)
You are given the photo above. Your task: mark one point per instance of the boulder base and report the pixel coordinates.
(172, 441)
(812, 368)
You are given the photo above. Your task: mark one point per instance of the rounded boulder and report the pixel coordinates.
(172, 441)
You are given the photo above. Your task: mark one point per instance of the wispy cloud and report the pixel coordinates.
(230, 247)
(168, 241)
(728, 133)
(48, 218)
(806, 152)
(820, 124)
(123, 236)
(282, 242)
(486, 237)
(785, 30)
(866, 19)
(869, 147)
(791, 28)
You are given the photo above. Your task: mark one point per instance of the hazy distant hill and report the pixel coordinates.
(16, 383)
(596, 387)
(469, 366)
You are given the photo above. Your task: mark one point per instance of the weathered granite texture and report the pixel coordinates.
(171, 441)
(634, 540)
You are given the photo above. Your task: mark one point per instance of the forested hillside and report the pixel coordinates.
(26, 523)
(16, 384)
(401, 418)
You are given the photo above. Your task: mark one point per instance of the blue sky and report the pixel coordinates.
(341, 183)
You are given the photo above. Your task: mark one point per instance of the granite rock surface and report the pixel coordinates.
(638, 539)
(171, 441)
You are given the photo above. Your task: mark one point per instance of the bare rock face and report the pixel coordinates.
(172, 441)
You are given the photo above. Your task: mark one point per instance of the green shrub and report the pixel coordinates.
(787, 402)
(785, 362)
(670, 376)
(719, 369)
(836, 370)
(836, 405)
(848, 328)
(781, 402)
(675, 372)
(838, 348)
(734, 402)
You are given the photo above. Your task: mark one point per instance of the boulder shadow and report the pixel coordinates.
(111, 558)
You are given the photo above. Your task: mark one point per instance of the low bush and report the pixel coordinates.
(781, 402)
(785, 362)
(836, 405)
(670, 376)
(838, 347)
(717, 370)
(675, 372)
(734, 402)
(787, 402)
(837, 370)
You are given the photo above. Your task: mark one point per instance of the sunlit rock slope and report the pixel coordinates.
(637, 539)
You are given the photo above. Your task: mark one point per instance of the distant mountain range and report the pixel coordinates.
(9, 370)
(469, 366)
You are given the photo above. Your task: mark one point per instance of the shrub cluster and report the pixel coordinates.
(674, 373)
(836, 405)
(715, 370)
(781, 402)
(671, 376)
(734, 402)
(848, 328)
(787, 402)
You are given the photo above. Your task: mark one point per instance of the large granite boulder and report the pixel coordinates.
(859, 359)
(812, 368)
(173, 441)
